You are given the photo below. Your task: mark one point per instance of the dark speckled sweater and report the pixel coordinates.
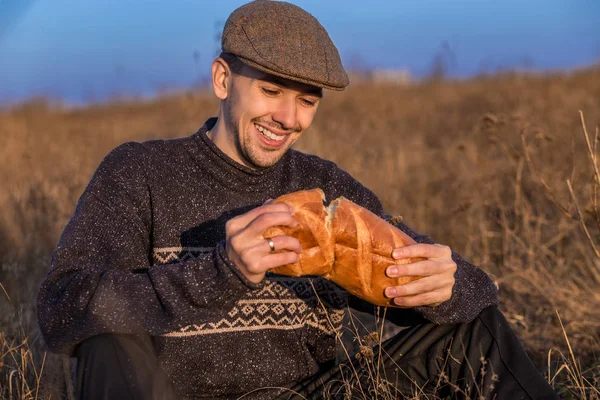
(144, 253)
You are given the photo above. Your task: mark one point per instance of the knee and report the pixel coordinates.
(113, 346)
(121, 363)
(492, 316)
(97, 359)
(491, 323)
(101, 344)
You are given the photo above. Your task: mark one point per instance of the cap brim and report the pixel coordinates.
(259, 67)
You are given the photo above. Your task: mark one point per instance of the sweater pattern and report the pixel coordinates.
(283, 303)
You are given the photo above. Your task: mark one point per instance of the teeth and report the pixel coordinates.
(269, 134)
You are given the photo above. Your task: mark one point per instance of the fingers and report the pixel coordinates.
(284, 243)
(241, 244)
(259, 263)
(258, 258)
(421, 286)
(242, 238)
(240, 222)
(255, 267)
(278, 259)
(423, 299)
(249, 251)
(437, 272)
(265, 221)
(422, 250)
(423, 292)
(421, 268)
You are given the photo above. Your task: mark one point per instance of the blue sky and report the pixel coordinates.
(90, 50)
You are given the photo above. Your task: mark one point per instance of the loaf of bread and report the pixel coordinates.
(344, 243)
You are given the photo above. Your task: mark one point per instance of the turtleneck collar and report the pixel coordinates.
(228, 171)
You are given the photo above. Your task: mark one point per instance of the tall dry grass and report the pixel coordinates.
(481, 165)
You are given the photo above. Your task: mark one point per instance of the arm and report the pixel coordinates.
(101, 279)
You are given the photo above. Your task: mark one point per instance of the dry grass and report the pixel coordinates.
(481, 165)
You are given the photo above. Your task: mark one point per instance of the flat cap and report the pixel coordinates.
(282, 39)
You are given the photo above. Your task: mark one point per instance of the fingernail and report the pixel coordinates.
(393, 270)
(397, 253)
(391, 292)
(268, 201)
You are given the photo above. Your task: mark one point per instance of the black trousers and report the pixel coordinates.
(476, 360)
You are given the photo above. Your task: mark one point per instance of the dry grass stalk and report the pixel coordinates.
(19, 374)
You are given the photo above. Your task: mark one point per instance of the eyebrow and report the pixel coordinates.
(314, 91)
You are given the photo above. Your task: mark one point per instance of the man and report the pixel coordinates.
(160, 284)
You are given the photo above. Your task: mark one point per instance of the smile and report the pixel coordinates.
(268, 134)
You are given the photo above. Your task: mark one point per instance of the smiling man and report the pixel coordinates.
(160, 283)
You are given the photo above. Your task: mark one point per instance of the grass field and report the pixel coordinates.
(497, 167)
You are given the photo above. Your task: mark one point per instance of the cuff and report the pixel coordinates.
(473, 291)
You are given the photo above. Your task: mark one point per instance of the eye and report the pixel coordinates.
(308, 102)
(269, 92)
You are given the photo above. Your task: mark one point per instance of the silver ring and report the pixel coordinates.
(271, 244)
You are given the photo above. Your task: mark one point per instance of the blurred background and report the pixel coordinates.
(476, 121)
(91, 51)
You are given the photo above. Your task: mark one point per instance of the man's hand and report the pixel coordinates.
(249, 251)
(437, 271)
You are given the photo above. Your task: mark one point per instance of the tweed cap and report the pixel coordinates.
(282, 39)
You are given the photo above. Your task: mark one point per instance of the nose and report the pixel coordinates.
(285, 114)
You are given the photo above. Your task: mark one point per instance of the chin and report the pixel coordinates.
(259, 157)
(265, 163)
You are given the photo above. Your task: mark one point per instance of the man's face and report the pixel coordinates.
(264, 115)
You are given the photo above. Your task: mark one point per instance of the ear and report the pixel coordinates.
(221, 78)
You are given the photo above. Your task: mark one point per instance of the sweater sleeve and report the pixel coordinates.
(473, 290)
(101, 279)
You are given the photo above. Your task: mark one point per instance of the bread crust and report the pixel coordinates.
(344, 243)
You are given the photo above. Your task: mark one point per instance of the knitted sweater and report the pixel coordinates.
(144, 254)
